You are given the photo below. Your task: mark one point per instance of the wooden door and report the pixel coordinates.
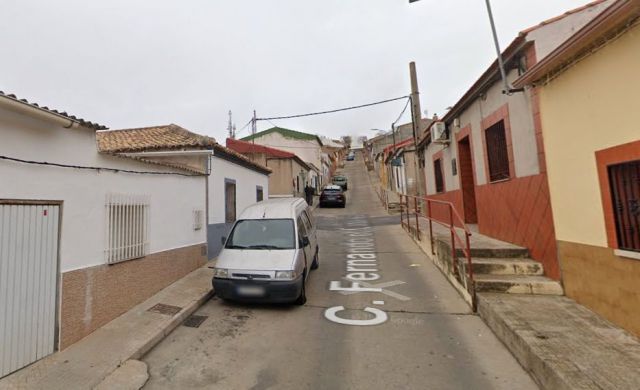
(465, 163)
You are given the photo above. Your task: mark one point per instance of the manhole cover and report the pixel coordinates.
(161, 308)
(194, 321)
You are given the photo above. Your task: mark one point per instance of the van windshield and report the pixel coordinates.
(262, 234)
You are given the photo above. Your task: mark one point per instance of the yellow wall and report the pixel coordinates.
(591, 106)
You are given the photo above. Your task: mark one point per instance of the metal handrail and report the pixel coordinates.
(454, 217)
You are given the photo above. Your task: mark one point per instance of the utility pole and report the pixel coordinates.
(254, 123)
(416, 119)
(231, 127)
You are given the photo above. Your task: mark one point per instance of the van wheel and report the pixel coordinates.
(316, 260)
(302, 299)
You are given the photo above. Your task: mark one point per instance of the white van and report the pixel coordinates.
(269, 253)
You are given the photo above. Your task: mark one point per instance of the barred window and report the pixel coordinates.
(437, 169)
(127, 220)
(497, 153)
(625, 191)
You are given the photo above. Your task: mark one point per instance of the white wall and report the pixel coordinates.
(551, 35)
(172, 198)
(246, 181)
(309, 151)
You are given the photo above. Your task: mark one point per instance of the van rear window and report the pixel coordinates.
(262, 234)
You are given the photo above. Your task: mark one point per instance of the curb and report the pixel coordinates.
(169, 327)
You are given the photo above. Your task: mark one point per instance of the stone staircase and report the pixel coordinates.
(510, 270)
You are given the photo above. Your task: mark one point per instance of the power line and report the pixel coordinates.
(333, 111)
(244, 127)
(95, 168)
(403, 111)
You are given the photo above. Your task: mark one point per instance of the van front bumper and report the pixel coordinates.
(281, 291)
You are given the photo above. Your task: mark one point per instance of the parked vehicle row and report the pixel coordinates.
(333, 195)
(341, 181)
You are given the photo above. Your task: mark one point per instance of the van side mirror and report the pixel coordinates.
(223, 240)
(305, 241)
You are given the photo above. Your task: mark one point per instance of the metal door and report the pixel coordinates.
(28, 283)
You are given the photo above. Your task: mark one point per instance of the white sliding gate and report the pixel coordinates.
(28, 283)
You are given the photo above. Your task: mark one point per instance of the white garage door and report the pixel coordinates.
(28, 283)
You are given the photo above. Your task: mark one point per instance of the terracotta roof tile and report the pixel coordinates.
(244, 147)
(151, 138)
(82, 122)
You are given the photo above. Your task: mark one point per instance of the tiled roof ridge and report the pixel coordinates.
(151, 138)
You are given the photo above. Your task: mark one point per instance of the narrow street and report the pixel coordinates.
(427, 338)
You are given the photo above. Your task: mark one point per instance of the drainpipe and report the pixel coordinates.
(206, 200)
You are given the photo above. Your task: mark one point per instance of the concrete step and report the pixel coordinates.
(518, 284)
(511, 252)
(508, 266)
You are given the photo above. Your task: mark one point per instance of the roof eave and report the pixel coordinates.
(620, 12)
(488, 78)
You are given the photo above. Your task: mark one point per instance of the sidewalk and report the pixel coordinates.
(562, 344)
(88, 362)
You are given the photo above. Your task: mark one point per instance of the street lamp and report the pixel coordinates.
(508, 88)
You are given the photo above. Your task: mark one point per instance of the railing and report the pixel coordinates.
(383, 196)
(421, 203)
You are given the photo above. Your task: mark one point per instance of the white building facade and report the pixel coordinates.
(85, 244)
(234, 184)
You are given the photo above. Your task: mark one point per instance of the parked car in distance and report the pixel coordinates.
(269, 253)
(340, 181)
(351, 157)
(333, 196)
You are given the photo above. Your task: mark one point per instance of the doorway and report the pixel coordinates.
(467, 181)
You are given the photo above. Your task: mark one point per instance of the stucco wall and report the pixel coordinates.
(82, 244)
(280, 182)
(551, 35)
(451, 183)
(523, 136)
(590, 107)
(308, 151)
(246, 181)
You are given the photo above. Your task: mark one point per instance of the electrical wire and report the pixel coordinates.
(244, 127)
(95, 168)
(403, 111)
(333, 111)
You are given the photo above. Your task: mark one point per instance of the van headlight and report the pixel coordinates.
(220, 273)
(288, 275)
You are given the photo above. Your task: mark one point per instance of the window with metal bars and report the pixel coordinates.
(625, 192)
(497, 152)
(127, 220)
(437, 169)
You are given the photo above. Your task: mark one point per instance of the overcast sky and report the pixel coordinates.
(128, 63)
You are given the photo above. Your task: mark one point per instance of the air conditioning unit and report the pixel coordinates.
(439, 133)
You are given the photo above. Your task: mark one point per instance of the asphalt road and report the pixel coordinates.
(416, 332)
